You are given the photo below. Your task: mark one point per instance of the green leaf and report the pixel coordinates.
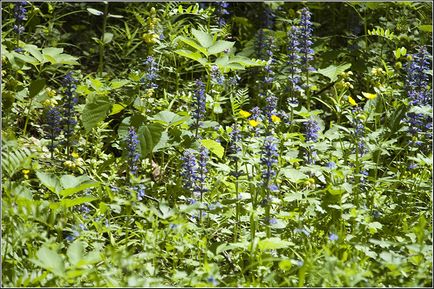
(95, 111)
(333, 71)
(67, 203)
(25, 58)
(273, 244)
(220, 46)
(36, 86)
(203, 38)
(215, 147)
(50, 260)
(118, 83)
(34, 51)
(117, 108)
(425, 28)
(70, 191)
(107, 37)
(75, 252)
(149, 136)
(189, 54)
(293, 174)
(95, 12)
(49, 181)
(169, 118)
(194, 44)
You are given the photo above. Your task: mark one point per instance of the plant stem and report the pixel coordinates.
(102, 44)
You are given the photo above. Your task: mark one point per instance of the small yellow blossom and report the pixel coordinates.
(253, 123)
(69, 164)
(352, 101)
(74, 155)
(150, 38)
(369, 95)
(377, 71)
(245, 114)
(275, 118)
(26, 174)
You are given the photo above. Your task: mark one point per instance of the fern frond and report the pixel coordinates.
(14, 159)
(239, 99)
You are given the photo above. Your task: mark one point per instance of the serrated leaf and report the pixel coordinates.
(205, 39)
(49, 181)
(117, 108)
(95, 111)
(149, 136)
(220, 46)
(75, 252)
(213, 146)
(333, 71)
(194, 44)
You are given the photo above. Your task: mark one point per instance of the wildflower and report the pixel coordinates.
(199, 102)
(269, 158)
(305, 34)
(377, 71)
(133, 155)
(352, 101)
(260, 43)
(253, 123)
(216, 75)
(294, 59)
(20, 15)
(271, 104)
(234, 147)
(302, 230)
(268, 18)
(333, 237)
(275, 118)
(359, 133)
(194, 172)
(311, 130)
(202, 171)
(369, 95)
(244, 114)
(53, 128)
(331, 165)
(221, 12)
(151, 73)
(140, 192)
(212, 280)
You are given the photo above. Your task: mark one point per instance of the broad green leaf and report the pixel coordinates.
(34, 51)
(189, 54)
(66, 59)
(51, 261)
(53, 51)
(215, 147)
(194, 44)
(25, 58)
(67, 203)
(118, 83)
(203, 38)
(425, 28)
(220, 46)
(49, 181)
(333, 71)
(293, 174)
(117, 108)
(169, 118)
(36, 86)
(273, 244)
(75, 252)
(95, 111)
(149, 136)
(70, 191)
(70, 181)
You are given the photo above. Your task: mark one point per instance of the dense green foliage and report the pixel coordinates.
(238, 144)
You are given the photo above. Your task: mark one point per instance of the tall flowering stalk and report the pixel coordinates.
(199, 104)
(306, 52)
(235, 150)
(53, 128)
(311, 129)
(69, 116)
(419, 95)
(269, 157)
(294, 61)
(221, 11)
(133, 155)
(151, 73)
(20, 14)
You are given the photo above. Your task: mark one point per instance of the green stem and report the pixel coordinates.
(237, 209)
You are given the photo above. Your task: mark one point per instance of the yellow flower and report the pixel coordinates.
(352, 101)
(253, 122)
(74, 155)
(244, 114)
(369, 95)
(275, 118)
(26, 174)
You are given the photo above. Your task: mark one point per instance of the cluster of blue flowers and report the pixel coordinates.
(53, 119)
(311, 129)
(305, 35)
(132, 144)
(216, 76)
(151, 73)
(199, 102)
(417, 83)
(359, 132)
(294, 60)
(194, 171)
(221, 11)
(269, 157)
(20, 13)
